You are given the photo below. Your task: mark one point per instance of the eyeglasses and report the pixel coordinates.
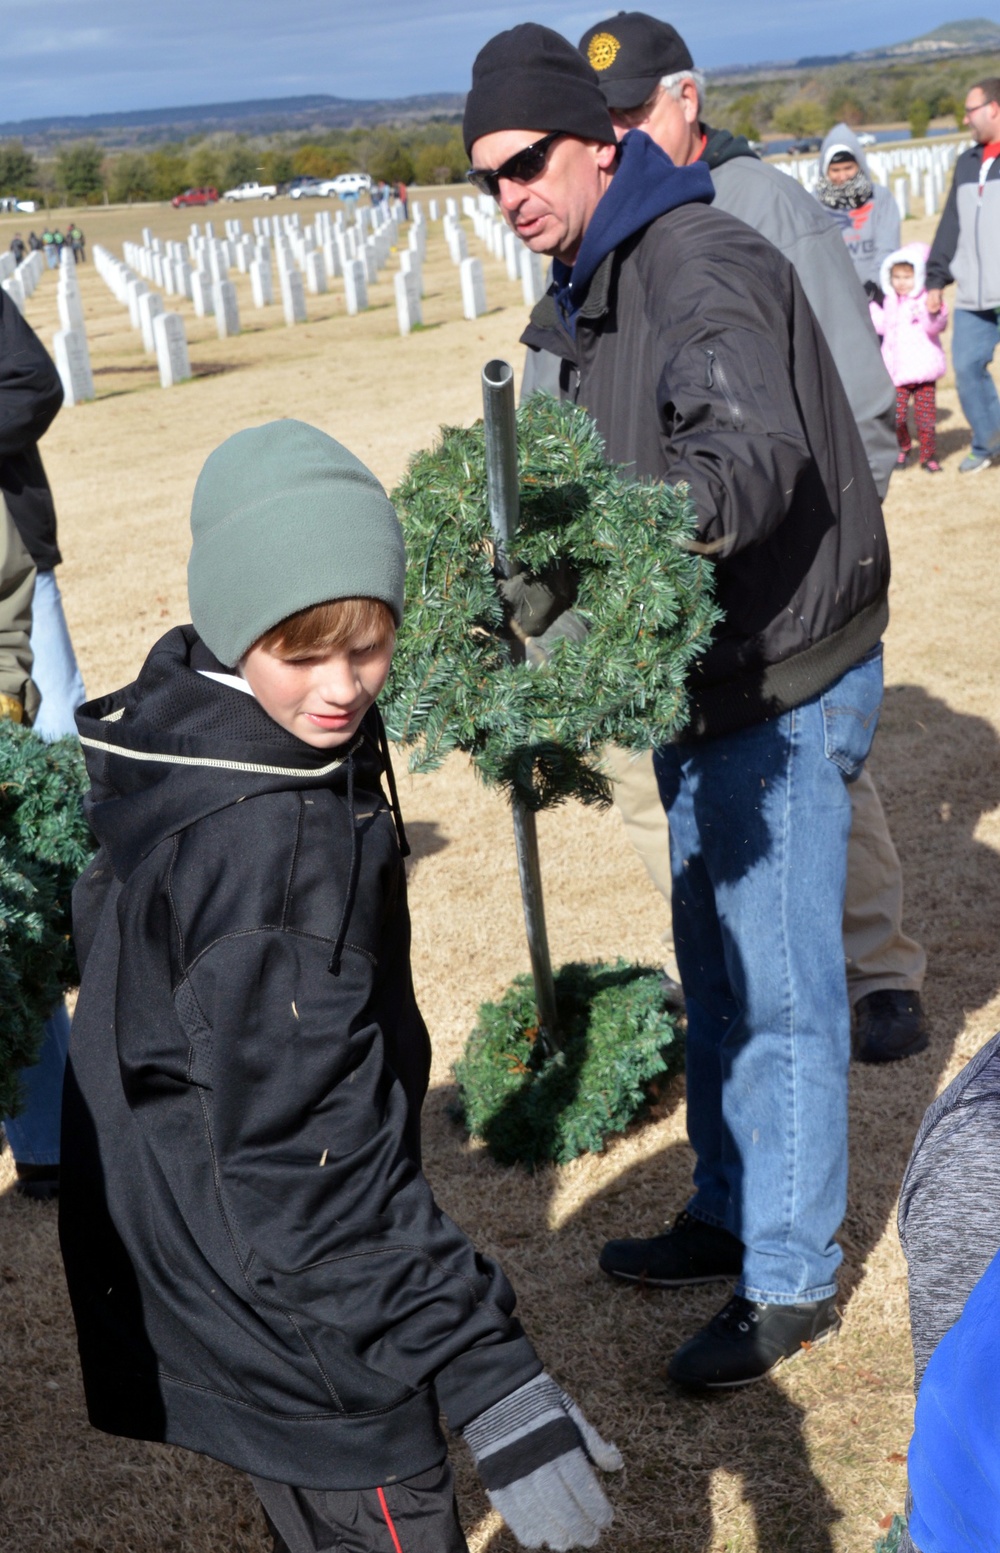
(521, 167)
(974, 107)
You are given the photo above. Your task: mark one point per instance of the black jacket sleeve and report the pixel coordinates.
(30, 396)
(30, 390)
(731, 423)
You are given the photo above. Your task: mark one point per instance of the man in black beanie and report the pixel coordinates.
(689, 339)
(649, 82)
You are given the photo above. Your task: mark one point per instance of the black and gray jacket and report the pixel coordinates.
(966, 247)
(692, 344)
(257, 1267)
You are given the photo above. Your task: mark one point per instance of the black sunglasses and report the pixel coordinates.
(522, 166)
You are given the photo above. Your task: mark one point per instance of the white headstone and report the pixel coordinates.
(511, 244)
(355, 286)
(261, 284)
(458, 246)
(432, 210)
(8, 264)
(315, 272)
(532, 277)
(409, 263)
(171, 349)
(902, 193)
(227, 313)
(293, 297)
(69, 305)
(408, 309)
(14, 287)
(201, 293)
(136, 288)
(473, 287)
(69, 347)
(150, 306)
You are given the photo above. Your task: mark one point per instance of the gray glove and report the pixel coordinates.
(533, 1451)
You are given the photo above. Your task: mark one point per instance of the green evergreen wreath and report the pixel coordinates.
(45, 843)
(620, 1038)
(618, 551)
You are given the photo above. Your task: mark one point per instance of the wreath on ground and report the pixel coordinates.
(620, 1045)
(609, 606)
(45, 843)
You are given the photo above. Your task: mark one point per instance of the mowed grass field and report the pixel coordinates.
(810, 1461)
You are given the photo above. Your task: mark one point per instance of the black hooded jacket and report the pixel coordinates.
(256, 1264)
(692, 344)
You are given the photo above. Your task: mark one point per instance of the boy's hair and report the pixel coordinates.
(330, 627)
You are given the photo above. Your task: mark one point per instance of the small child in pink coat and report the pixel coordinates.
(910, 348)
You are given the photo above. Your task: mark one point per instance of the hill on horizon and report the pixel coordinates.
(319, 112)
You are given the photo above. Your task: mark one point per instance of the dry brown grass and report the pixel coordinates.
(810, 1461)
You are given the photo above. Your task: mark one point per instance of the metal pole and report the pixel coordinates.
(502, 485)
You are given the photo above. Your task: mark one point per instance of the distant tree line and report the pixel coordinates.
(791, 102)
(83, 173)
(810, 102)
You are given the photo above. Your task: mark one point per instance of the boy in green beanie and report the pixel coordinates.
(257, 1267)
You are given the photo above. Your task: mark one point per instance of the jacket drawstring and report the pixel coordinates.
(352, 873)
(383, 744)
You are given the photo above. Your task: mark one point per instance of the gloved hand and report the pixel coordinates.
(533, 1451)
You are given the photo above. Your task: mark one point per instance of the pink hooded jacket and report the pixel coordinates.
(910, 347)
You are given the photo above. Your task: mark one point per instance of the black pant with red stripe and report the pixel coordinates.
(924, 413)
(418, 1515)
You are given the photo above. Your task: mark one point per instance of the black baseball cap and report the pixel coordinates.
(631, 53)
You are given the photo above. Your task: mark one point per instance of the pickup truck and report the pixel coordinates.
(252, 191)
(194, 197)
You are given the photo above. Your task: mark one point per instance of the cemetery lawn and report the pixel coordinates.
(810, 1461)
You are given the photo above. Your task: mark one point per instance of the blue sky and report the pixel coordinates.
(91, 56)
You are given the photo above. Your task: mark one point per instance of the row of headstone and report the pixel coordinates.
(20, 280)
(163, 333)
(70, 348)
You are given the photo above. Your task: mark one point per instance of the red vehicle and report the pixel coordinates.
(195, 197)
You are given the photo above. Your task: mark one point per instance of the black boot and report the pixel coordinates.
(691, 1252)
(747, 1340)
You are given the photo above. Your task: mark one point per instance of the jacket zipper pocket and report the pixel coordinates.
(716, 378)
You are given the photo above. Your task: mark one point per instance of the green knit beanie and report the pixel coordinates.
(283, 517)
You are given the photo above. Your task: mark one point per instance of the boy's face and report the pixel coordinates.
(322, 699)
(901, 276)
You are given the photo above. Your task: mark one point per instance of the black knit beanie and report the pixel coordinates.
(532, 78)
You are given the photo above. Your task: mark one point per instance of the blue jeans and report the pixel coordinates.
(55, 670)
(976, 338)
(759, 822)
(34, 1134)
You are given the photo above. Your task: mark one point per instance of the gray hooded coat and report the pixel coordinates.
(872, 231)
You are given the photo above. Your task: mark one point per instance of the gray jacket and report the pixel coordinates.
(966, 247)
(779, 209)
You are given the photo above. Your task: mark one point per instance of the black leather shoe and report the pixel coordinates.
(746, 1341)
(40, 1183)
(888, 1026)
(691, 1252)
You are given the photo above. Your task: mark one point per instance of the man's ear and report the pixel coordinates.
(607, 156)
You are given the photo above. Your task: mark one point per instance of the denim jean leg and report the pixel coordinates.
(55, 669)
(975, 339)
(33, 1135)
(763, 817)
(710, 1006)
